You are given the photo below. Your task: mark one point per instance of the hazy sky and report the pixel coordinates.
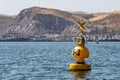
(13, 7)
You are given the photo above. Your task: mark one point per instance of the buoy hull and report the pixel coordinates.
(79, 67)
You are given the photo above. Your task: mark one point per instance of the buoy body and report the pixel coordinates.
(79, 67)
(80, 52)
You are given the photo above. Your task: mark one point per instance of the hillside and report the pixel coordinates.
(105, 25)
(5, 20)
(109, 20)
(36, 21)
(63, 14)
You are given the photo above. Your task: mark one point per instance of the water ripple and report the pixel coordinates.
(50, 61)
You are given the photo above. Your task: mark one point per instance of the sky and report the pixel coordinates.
(13, 7)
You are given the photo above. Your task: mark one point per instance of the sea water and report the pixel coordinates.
(50, 61)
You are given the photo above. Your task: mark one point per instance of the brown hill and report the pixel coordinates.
(5, 20)
(36, 21)
(106, 25)
(109, 20)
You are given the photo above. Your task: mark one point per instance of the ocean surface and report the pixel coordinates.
(50, 61)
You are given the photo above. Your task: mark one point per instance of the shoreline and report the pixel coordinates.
(54, 41)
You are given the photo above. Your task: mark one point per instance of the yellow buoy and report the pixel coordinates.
(80, 52)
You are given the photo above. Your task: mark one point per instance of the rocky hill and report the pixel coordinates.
(106, 24)
(111, 20)
(35, 21)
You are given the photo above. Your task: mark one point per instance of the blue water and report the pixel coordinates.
(50, 61)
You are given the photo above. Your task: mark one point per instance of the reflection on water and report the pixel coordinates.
(79, 74)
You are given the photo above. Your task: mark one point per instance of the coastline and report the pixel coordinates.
(54, 41)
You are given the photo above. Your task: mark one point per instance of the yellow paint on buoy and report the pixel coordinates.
(80, 52)
(79, 67)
